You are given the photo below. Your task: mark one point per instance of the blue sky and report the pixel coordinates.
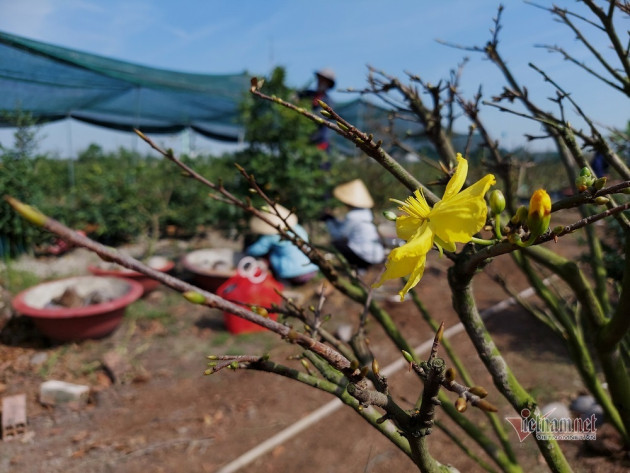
(226, 36)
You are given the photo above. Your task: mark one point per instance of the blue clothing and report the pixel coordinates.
(360, 234)
(286, 259)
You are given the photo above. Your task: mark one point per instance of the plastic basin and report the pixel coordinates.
(78, 323)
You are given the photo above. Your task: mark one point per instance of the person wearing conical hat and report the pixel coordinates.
(286, 260)
(356, 236)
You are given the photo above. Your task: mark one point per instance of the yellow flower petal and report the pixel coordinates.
(406, 227)
(414, 277)
(458, 179)
(459, 218)
(447, 245)
(405, 259)
(540, 204)
(456, 218)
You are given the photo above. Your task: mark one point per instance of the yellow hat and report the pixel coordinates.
(256, 225)
(354, 194)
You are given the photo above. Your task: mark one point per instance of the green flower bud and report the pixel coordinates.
(194, 297)
(389, 215)
(514, 238)
(26, 211)
(521, 215)
(586, 172)
(601, 200)
(497, 202)
(600, 183)
(407, 356)
(557, 230)
(581, 183)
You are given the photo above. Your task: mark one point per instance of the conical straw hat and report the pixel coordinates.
(259, 227)
(354, 194)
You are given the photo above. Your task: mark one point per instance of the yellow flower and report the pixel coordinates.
(454, 219)
(539, 214)
(539, 205)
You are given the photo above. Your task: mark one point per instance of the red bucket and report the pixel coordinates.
(252, 285)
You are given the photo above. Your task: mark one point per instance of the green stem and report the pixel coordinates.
(465, 306)
(507, 463)
(572, 336)
(475, 433)
(371, 416)
(497, 226)
(469, 453)
(596, 261)
(610, 357)
(481, 241)
(618, 325)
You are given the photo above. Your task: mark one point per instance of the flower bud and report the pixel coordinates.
(389, 215)
(479, 391)
(514, 238)
(521, 215)
(460, 405)
(539, 213)
(407, 356)
(582, 183)
(26, 211)
(497, 202)
(260, 311)
(194, 297)
(375, 367)
(450, 374)
(558, 229)
(486, 406)
(601, 200)
(600, 183)
(586, 172)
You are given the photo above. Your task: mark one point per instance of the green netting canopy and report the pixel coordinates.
(54, 83)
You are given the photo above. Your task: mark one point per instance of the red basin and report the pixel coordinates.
(210, 267)
(78, 323)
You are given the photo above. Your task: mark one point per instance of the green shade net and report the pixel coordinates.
(53, 83)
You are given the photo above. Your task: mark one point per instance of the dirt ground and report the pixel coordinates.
(161, 414)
